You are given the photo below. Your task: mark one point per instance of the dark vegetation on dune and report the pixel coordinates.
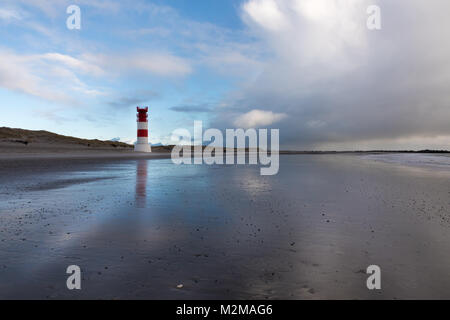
(29, 137)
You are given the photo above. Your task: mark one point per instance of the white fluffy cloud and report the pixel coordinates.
(56, 77)
(258, 118)
(51, 76)
(80, 65)
(265, 13)
(24, 73)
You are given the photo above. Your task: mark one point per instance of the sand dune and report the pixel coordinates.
(13, 136)
(20, 143)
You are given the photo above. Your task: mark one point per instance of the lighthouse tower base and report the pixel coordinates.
(142, 147)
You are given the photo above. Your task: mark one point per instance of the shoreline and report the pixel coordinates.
(52, 151)
(83, 155)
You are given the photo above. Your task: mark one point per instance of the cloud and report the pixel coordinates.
(342, 84)
(313, 60)
(55, 76)
(54, 8)
(74, 63)
(155, 31)
(18, 73)
(48, 7)
(233, 60)
(135, 99)
(266, 14)
(191, 108)
(125, 102)
(159, 64)
(258, 118)
(52, 76)
(223, 51)
(9, 14)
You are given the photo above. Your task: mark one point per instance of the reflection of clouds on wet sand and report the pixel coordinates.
(414, 160)
(251, 182)
(228, 232)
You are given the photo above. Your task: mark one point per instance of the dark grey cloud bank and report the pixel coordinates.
(342, 86)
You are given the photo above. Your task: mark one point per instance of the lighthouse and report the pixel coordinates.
(142, 131)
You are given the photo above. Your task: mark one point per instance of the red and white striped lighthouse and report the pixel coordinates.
(142, 144)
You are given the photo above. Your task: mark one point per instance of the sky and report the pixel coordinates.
(310, 68)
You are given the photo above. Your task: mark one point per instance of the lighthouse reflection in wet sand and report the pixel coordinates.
(142, 144)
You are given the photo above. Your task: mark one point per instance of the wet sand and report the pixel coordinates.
(138, 228)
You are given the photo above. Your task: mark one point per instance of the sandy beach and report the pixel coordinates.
(140, 228)
(46, 150)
